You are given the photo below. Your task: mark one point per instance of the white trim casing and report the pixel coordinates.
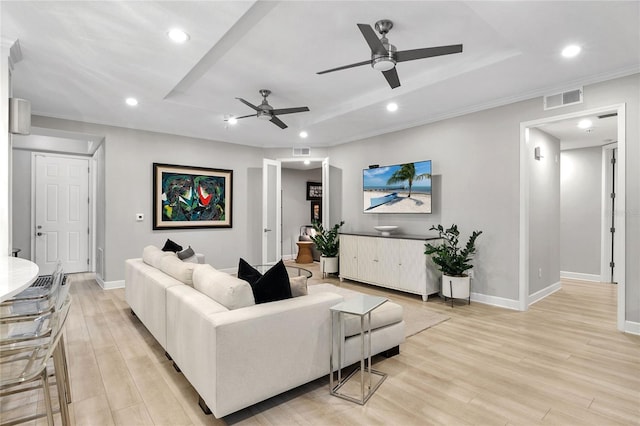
(500, 302)
(539, 295)
(581, 277)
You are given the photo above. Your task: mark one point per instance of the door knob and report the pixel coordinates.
(267, 230)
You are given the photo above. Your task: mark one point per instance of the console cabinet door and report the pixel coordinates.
(349, 256)
(369, 268)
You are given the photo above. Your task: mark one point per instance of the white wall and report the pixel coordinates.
(476, 185)
(580, 210)
(544, 212)
(129, 155)
(5, 149)
(296, 209)
(476, 181)
(21, 208)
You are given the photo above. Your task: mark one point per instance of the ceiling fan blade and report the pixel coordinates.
(428, 52)
(275, 120)
(392, 77)
(248, 104)
(244, 116)
(344, 67)
(372, 39)
(288, 110)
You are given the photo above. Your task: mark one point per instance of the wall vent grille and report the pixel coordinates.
(302, 152)
(557, 100)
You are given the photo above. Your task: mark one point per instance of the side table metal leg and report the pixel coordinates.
(362, 357)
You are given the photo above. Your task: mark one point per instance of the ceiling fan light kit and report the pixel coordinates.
(266, 112)
(384, 55)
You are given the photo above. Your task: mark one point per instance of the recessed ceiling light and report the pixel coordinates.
(177, 35)
(392, 106)
(307, 162)
(232, 120)
(571, 51)
(585, 124)
(131, 101)
(303, 134)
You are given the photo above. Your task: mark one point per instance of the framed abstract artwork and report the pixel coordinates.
(191, 197)
(314, 190)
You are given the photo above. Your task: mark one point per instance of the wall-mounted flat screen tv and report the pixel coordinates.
(402, 188)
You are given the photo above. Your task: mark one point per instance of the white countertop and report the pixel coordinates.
(16, 274)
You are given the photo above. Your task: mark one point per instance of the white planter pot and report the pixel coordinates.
(455, 287)
(328, 265)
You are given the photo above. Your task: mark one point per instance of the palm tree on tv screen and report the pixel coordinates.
(407, 172)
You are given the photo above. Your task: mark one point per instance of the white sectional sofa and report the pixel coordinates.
(237, 357)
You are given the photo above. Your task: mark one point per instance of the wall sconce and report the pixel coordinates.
(537, 154)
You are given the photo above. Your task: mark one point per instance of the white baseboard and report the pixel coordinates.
(539, 295)
(495, 301)
(109, 285)
(579, 276)
(632, 327)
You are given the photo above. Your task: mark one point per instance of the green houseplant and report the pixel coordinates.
(327, 242)
(453, 260)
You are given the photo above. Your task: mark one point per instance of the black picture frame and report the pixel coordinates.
(187, 197)
(316, 211)
(314, 190)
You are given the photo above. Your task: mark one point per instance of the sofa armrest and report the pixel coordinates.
(238, 358)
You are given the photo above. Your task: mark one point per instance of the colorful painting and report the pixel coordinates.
(191, 197)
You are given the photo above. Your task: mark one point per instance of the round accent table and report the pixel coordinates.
(304, 252)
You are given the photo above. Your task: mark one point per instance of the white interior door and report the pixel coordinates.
(271, 211)
(326, 216)
(61, 213)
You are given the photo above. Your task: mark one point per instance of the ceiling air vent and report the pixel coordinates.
(301, 152)
(557, 100)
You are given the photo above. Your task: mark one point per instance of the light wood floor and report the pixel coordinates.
(563, 362)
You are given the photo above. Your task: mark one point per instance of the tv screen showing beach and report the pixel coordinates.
(403, 188)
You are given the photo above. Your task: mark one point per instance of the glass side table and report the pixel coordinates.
(362, 306)
(293, 271)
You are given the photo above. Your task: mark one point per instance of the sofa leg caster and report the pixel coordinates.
(168, 356)
(391, 352)
(203, 405)
(175, 366)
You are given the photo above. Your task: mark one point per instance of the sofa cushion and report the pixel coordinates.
(229, 291)
(272, 285)
(151, 255)
(188, 255)
(171, 246)
(298, 286)
(181, 271)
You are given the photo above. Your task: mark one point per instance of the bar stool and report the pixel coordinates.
(32, 306)
(26, 345)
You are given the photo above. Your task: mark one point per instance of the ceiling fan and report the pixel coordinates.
(264, 111)
(384, 55)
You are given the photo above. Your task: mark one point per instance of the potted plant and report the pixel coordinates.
(327, 243)
(453, 261)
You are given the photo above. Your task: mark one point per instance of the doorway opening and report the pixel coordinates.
(287, 207)
(616, 214)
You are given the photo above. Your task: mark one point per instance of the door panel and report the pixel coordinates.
(61, 215)
(271, 213)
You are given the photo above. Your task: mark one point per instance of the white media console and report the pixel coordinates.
(395, 261)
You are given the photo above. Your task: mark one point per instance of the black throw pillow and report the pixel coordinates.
(171, 246)
(247, 272)
(273, 285)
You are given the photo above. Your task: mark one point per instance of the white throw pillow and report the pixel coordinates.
(298, 286)
(181, 271)
(227, 290)
(152, 255)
